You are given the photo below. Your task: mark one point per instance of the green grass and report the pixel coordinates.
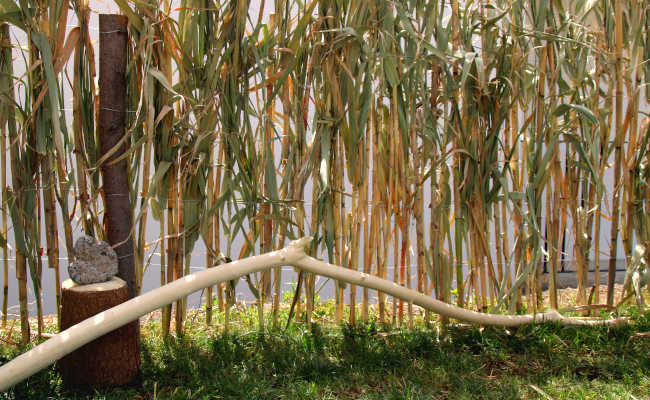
(365, 361)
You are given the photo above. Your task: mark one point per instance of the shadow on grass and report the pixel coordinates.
(362, 361)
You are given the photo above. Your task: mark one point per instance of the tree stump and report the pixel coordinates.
(113, 359)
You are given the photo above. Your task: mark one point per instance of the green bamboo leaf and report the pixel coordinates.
(301, 27)
(279, 84)
(155, 182)
(565, 108)
(236, 225)
(10, 12)
(493, 21)
(157, 210)
(390, 69)
(160, 77)
(270, 179)
(134, 19)
(468, 60)
(544, 169)
(194, 199)
(366, 101)
(19, 231)
(41, 41)
(329, 225)
(577, 144)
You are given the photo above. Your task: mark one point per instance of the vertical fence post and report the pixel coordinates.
(118, 222)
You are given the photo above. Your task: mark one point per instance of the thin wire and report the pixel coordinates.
(65, 258)
(115, 31)
(282, 202)
(67, 109)
(285, 203)
(290, 203)
(116, 110)
(45, 259)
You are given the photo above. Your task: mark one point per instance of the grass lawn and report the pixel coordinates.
(367, 361)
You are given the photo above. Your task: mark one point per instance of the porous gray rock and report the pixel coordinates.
(94, 261)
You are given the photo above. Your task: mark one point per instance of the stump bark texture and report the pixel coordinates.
(111, 360)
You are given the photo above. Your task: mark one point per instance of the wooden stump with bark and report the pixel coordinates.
(113, 359)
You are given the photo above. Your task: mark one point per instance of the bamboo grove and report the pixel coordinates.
(509, 134)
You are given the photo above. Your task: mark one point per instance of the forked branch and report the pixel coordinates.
(71, 339)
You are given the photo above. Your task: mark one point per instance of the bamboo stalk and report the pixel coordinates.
(172, 241)
(51, 228)
(309, 278)
(37, 273)
(21, 277)
(267, 224)
(340, 224)
(217, 230)
(503, 228)
(379, 209)
(501, 258)
(406, 265)
(164, 133)
(163, 258)
(458, 231)
(146, 179)
(397, 309)
(179, 265)
(17, 183)
(367, 227)
(359, 202)
(440, 207)
(5, 253)
(620, 138)
(554, 237)
(475, 269)
(277, 273)
(632, 83)
(540, 106)
(5, 66)
(553, 211)
(210, 236)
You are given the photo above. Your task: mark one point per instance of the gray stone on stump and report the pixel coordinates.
(93, 262)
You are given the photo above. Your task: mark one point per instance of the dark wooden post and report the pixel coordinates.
(113, 359)
(112, 112)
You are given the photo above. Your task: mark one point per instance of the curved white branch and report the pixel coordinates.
(315, 266)
(86, 331)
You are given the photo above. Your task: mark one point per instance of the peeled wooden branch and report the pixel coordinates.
(67, 341)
